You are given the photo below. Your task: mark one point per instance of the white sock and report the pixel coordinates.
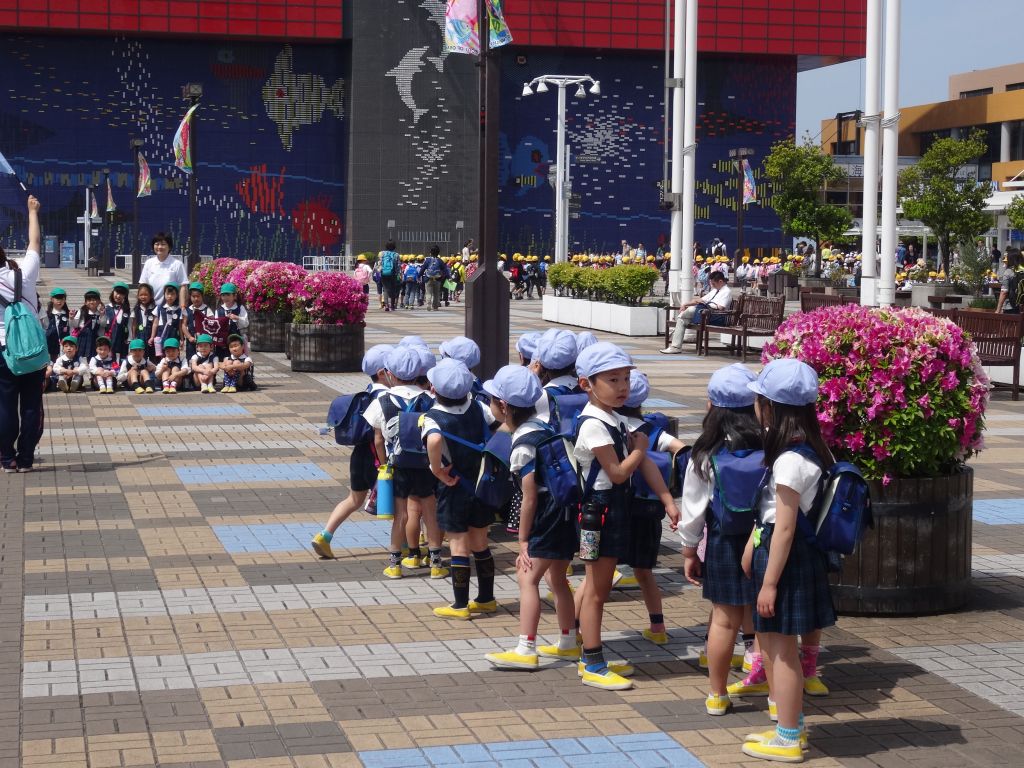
(527, 646)
(567, 641)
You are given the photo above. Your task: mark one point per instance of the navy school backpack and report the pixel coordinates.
(345, 416)
(402, 430)
(564, 407)
(493, 483)
(739, 476)
(560, 471)
(654, 427)
(841, 509)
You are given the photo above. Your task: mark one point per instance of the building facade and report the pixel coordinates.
(328, 126)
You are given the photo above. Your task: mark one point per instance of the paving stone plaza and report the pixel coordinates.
(160, 605)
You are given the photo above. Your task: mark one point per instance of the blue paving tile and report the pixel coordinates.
(658, 402)
(292, 537)
(999, 511)
(250, 473)
(649, 750)
(664, 358)
(175, 411)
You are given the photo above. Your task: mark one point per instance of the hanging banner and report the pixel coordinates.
(500, 34)
(94, 211)
(183, 142)
(111, 205)
(462, 27)
(145, 181)
(749, 184)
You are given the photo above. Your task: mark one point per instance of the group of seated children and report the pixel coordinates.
(140, 348)
(760, 437)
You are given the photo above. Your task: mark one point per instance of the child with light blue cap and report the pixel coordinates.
(556, 367)
(450, 428)
(363, 461)
(526, 346)
(603, 437)
(412, 341)
(584, 339)
(468, 351)
(646, 515)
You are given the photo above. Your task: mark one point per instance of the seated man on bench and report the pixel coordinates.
(719, 297)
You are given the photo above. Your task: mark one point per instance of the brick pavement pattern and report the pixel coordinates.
(159, 605)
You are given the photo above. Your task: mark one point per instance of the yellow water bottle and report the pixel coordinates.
(385, 493)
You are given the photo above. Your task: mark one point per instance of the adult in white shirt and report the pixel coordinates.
(21, 397)
(161, 269)
(719, 297)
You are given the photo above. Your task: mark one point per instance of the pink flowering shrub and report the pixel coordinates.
(902, 393)
(270, 286)
(330, 298)
(239, 275)
(213, 274)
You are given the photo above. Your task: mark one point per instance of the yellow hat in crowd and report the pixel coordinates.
(547, 258)
(650, 258)
(360, 257)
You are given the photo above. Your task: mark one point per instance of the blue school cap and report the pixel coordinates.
(451, 378)
(556, 349)
(412, 341)
(403, 362)
(729, 387)
(584, 339)
(639, 389)
(788, 381)
(375, 358)
(515, 384)
(461, 348)
(527, 344)
(426, 359)
(600, 357)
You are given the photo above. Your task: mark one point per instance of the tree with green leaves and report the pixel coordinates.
(935, 193)
(800, 175)
(1015, 212)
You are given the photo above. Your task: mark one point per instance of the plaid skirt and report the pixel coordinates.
(724, 582)
(645, 529)
(803, 601)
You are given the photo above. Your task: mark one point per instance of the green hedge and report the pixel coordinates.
(625, 284)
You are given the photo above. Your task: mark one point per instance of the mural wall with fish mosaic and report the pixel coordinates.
(270, 139)
(616, 141)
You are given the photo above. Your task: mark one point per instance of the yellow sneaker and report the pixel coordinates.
(393, 571)
(813, 686)
(736, 662)
(747, 665)
(554, 652)
(616, 577)
(322, 547)
(414, 561)
(550, 596)
(491, 606)
(717, 705)
(658, 638)
(568, 570)
(744, 688)
(513, 660)
(702, 660)
(774, 752)
(149, 390)
(621, 668)
(773, 711)
(627, 581)
(438, 572)
(761, 738)
(139, 390)
(449, 612)
(606, 679)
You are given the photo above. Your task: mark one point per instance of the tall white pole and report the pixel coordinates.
(689, 152)
(678, 143)
(560, 238)
(88, 224)
(566, 195)
(871, 120)
(890, 152)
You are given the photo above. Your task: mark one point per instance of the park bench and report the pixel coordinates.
(997, 338)
(757, 316)
(811, 301)
(673, 313)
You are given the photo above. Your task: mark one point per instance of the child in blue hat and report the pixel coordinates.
(729, 426)
(547, 533)
(790, 575)
(604, 443)
(556, 367)
(363, 461)
(413, 481)
(454, 420)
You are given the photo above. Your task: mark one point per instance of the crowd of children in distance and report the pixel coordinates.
(766, 579)
(148, 346)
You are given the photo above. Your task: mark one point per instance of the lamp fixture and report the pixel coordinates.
(527, 91)
(580, 93)
(542, 87)
(596, 88)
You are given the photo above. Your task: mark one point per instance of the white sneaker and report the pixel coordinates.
(670, 350)
(62, 384)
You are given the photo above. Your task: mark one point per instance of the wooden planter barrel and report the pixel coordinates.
(331, 348)
(917, 558)
(267, 332)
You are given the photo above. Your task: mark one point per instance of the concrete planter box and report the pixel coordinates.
(599, 316)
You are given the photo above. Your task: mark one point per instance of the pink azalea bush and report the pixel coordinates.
(212, 274)
(902, 394)
(330, 298)
(270, 286)
(240, 276)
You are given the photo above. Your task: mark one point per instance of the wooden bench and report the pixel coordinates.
(997, 338)
(811, 301)
(938, 301)
(673, 314)
(757, 316)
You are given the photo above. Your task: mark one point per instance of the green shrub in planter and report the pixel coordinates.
(628, 284)
(592, 283)
(559, 275)
(983, 302)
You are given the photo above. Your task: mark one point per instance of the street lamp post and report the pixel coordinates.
(136, 147)
(192, 93)
(540, 85)
(738, 156)
(108, 218)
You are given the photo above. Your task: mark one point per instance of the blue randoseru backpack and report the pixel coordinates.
(493, 483)
(25, 349)
(564, 408)
(841, 509)
(345, 416)
(407, 450)
(739, 476)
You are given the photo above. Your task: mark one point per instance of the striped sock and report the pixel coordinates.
(787, 736)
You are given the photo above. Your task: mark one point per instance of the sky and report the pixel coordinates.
(939, 38)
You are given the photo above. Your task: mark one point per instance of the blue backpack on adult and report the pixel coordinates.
(388, 263)
(345, 417)
(841, 509)
(25, 349)
(739, 476)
